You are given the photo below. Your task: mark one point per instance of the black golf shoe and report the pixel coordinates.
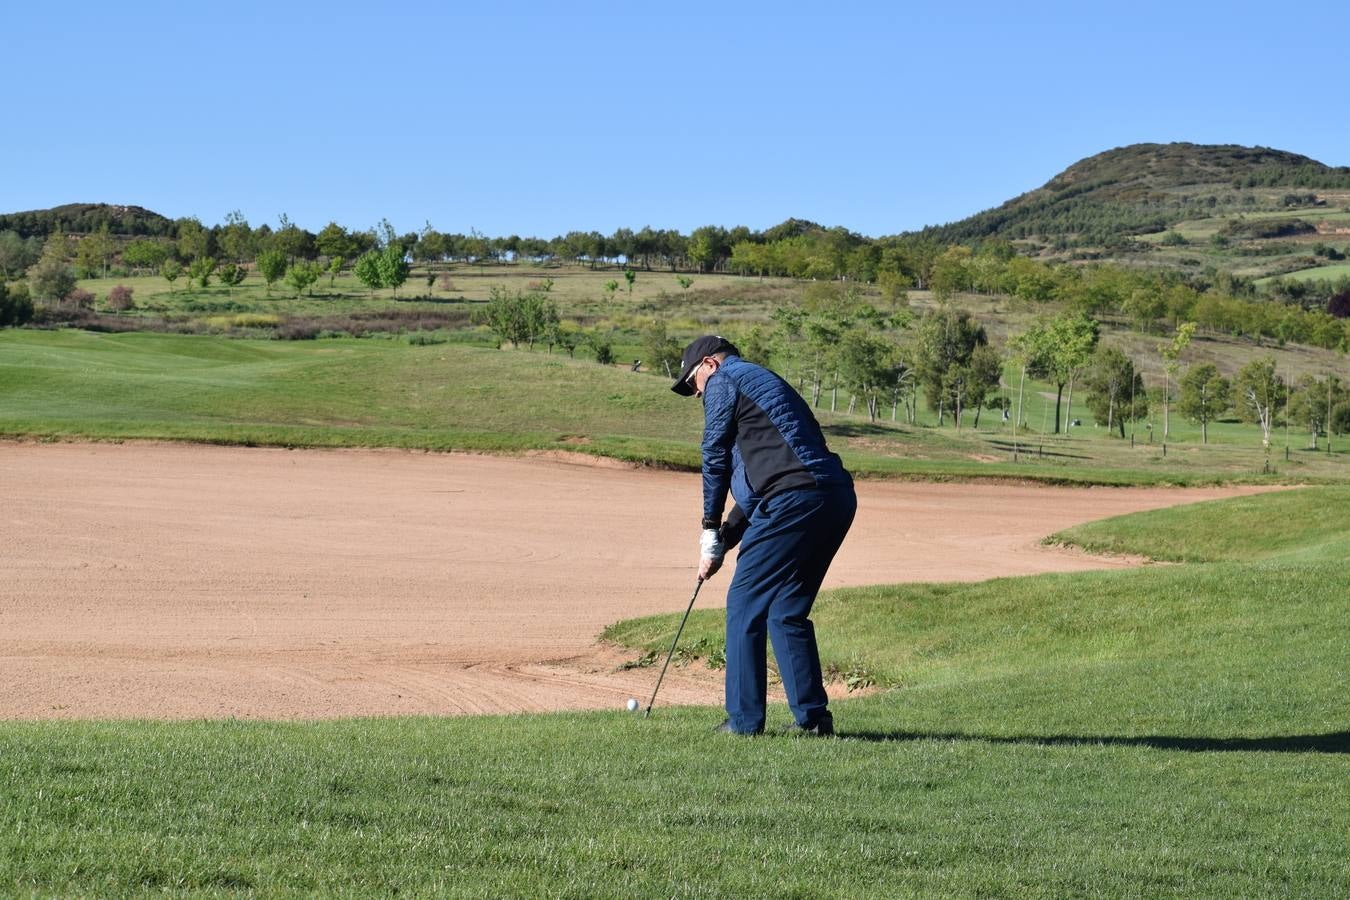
(821, 727)
(725, 728)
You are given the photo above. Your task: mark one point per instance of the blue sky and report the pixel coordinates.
(878, 117)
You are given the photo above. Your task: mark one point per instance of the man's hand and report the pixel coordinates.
(710, 553)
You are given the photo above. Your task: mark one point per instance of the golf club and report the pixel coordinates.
(678, 632)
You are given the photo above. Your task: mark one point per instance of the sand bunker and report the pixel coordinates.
(169, 581)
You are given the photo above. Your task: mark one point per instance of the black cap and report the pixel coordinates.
(708, 345)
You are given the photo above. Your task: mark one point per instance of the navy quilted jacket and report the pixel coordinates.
(759, 438)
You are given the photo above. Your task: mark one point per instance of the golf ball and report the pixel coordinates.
(632, 704)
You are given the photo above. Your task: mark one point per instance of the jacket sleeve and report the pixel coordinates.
(719, 436)
(733, 529)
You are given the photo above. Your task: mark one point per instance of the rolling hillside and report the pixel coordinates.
(1251, 211)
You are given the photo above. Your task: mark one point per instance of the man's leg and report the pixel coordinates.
(746, 676)
(812, 526)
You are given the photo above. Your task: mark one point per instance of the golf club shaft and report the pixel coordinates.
(678, 632)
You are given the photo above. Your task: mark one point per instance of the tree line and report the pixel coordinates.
(380, 257)
(835, 343)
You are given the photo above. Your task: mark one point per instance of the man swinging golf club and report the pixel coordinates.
(794, 504)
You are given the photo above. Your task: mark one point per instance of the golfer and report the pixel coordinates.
(794, 504)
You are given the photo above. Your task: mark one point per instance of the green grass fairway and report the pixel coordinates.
(1309, 524)
(388, 393)
(1172, 731)
(1329, 273)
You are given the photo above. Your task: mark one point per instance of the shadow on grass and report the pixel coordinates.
(1030, 448)
(1336, 742)
(860, 429)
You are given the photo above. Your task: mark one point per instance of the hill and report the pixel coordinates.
(81, 218)
(1108, 200)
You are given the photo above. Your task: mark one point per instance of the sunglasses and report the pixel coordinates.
(693, 374)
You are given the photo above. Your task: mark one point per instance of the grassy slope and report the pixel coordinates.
(387, 393)
(1168, 731)
(1310, 524)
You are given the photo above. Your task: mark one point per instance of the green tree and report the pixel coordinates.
(1059, 348)
(232, 275)
(201, 270)
(1340, 419)
(661, 350)
(335, 264)
(1259, 395)
(145, 254)
(393, 267)
(567, 335)
(951, 272)
(367, 270)
(602, 346)
(944, 342)
(1115, 390)
(1145, 306)
(1311, 403)
(294, 241)
(430, 247)
(272, 267)
(979, 379)
(17, 253)
(302, 275)
(334, 241)
(170, 269)
(52, 278)
(1171, 354)
(867, 365)
(1205, 395)
(821, 333)
(756, 346)
(505, 316)
(15, 307)
(93, 253)
(630, 276)
(236, 238)
(193, 240)
(539, 315)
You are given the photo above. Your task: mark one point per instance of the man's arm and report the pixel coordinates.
(733, 529)
(719, 437)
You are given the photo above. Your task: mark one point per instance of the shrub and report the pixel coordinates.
(51, 279)
(119, 298)
(15, 307)
(1340, 419)
(1267, 228)
(603, 349)
(81, 299)
(426, 338)
(1339, 305)
(298, 331)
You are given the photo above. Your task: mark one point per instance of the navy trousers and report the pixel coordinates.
(783, 557)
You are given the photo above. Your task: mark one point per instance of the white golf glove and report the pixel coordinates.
(711, 552)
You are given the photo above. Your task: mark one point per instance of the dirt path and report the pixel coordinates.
(168, 581)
